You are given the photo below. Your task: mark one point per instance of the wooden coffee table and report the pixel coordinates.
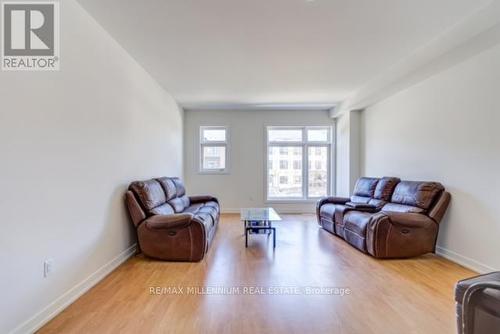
(258, 219)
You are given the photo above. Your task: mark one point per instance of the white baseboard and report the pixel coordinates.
(50, 311)
(463, 260)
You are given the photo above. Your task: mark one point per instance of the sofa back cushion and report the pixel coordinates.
(364, 189)
(149, 193)
(179, 203)
(416, 194)
(162, 196)
(169, 187)
(181, 190)
(175, 193)
(385, 188)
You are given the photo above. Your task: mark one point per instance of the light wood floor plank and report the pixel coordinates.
(390, 296)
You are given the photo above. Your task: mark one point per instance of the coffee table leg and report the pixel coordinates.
(246, 236)
(274, 237)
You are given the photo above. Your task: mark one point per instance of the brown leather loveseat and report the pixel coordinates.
(387, 217)
(170, 225)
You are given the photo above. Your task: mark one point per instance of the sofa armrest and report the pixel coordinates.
(464, 284)
(400, 235)
(329, 200)
(162, 222)
(470, 304)
(440, 207)
(134, 209)
(409, 219)
(202, 198)
(332, 200)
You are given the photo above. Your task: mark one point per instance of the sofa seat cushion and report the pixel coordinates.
(206, 219)
(355, 226)
(213, 204)
(179, 203)
(327, 211)
(213, 212)
(164, 209)
(210, 208)
(360, 199)
(357, 222)
(393, 207)
(340, 211)
(378, 203)
(193, 208)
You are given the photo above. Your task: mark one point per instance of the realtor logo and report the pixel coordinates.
(30, 36)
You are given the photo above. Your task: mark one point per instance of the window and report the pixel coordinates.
(318, 135)
(297, 164)
(317, 165)
(317, 180)
(307, 150)
(278, 173)
(213, 149)
(285, 135)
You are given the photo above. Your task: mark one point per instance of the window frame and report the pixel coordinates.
(305, 145)
(204, 143)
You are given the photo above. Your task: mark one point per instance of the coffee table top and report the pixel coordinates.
(259, 214)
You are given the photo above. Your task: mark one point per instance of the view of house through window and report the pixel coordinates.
(213, 149)
(298, 162)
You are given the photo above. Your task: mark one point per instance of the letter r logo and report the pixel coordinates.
(28, 29)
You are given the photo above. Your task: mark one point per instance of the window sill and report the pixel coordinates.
(206, 172)
(292, 201)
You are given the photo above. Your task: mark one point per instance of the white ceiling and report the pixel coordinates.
(251, 52)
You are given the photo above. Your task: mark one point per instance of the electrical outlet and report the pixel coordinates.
(48, 267)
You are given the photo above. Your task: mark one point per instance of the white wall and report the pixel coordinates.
(244, 185)
(348, 152)
(446, 129)
(70, 142)
(343, 131)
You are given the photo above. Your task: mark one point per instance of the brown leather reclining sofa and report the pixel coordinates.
(170, 225)
(387, 217)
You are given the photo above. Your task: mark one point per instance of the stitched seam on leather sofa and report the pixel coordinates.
(191, 244)
(355, 233)
(387, 240)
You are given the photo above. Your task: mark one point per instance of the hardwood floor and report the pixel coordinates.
(390, 296)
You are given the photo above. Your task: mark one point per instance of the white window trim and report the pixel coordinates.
(329, 144)
(202, 143)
